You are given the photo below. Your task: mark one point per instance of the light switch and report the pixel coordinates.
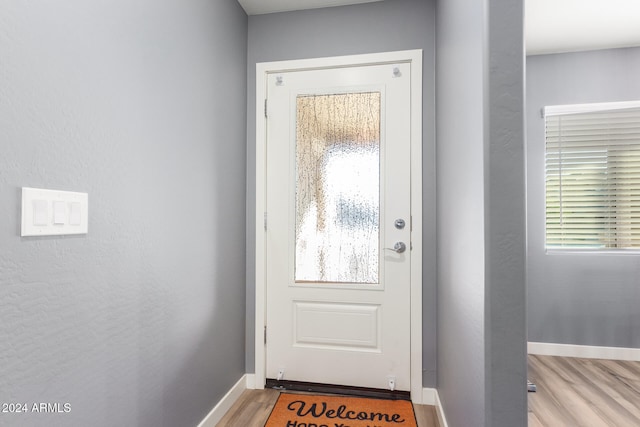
(75, 217)
(40, 212)
(54, 212)
(59, 212)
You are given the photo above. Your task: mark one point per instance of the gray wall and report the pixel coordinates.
(481, 238)
(461, 281)
(367, 28)
(142, 104)
(585, 299)
(505, 226)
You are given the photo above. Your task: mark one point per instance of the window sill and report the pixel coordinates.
(599, 252)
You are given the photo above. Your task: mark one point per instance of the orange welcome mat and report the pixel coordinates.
(301, 410)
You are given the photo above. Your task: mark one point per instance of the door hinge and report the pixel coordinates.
(265, 334)
(265, 221)
(265, 108)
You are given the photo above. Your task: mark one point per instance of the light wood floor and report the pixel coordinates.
(584, 392)
(571, 393)
(254, 406)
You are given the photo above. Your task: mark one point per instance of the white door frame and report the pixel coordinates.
(414, 57)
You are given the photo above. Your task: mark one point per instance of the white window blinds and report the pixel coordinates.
(593, 176)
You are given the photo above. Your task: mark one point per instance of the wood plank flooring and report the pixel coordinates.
(571, 392)
(584, 392)
(254, 406)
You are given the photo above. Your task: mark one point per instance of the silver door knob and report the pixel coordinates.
(399, 247)
(399, 223)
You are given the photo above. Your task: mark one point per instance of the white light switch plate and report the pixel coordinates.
(53, 212)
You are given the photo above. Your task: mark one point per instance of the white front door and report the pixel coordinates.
(338, 226)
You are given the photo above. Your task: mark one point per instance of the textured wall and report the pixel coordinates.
(141, 104)
(481, 231)
(584, 299)
(461, 258)
(505, 227)
(367, 28)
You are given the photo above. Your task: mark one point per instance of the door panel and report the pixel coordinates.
(338, 178)
(337, 326)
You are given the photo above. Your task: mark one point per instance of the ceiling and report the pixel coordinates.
(259, 7)
(552, 26)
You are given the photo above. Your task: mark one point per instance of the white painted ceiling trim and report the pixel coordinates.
(260, 7)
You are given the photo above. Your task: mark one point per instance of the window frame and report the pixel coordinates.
(572, 109)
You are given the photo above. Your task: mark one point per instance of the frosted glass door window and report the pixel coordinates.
(337, 235)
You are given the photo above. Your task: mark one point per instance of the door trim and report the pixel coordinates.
(414, 57)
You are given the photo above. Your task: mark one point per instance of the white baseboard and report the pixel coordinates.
(442, 420)
(429, 396)
(225, 403)
(251, 381)
(584, 351)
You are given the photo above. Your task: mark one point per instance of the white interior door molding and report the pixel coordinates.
(349, 316)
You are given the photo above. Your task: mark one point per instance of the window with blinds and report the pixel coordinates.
(592, 172)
